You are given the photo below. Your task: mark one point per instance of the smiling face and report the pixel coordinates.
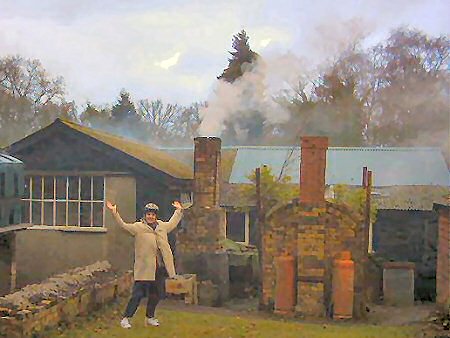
(150, 217)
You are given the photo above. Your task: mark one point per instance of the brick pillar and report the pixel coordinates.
(311, 230)
(312, 170)
(200, 243)
(207, 175)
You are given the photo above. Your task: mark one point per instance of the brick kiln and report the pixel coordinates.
(314, 233)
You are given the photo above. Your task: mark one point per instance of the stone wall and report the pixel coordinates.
(42, 253)
(61, 298)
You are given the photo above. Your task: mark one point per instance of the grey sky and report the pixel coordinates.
(175, 51)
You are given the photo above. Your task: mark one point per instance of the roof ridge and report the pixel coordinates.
(112, 135)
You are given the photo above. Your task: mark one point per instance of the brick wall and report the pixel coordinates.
(443, 258)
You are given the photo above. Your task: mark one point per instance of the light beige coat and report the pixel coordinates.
(146, 244)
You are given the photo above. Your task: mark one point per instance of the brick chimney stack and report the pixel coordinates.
(207, 173)
(312, 170)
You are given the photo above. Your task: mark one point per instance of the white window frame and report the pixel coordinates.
(66, 200)
(246, 227)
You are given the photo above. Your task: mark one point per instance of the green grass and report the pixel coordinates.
(179, 324)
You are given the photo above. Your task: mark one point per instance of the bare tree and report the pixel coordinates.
(21, 77)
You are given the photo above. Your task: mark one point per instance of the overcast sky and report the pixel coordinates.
(175, 49)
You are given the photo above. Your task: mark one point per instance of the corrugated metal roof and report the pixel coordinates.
(9, 159)
(390, 166)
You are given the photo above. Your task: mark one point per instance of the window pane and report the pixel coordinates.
(73, 188)
(37, 188)
(26, 192)
(85, 214)
(73, 213)
(98, 188)
(98, 214)
(236, 226)
(26, 212)
(61, 188)
(48, 213)
(86, 188)
(60, 213)
(36, 213)
(48, 187)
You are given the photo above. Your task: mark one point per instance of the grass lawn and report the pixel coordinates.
(182, 324)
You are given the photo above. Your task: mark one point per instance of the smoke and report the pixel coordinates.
(253, 91)
(277, 74)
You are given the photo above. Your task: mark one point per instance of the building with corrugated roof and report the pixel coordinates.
(406, 183)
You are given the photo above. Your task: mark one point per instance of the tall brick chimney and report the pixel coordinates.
(207, 173)
(312, 170)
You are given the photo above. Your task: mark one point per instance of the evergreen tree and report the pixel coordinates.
(124, 109)
(241, 60)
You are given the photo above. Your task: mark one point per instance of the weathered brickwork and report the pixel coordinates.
(200, 241)
(207, 175)
(312, 170)
(204, 230)
(314, 237)
(314, 232)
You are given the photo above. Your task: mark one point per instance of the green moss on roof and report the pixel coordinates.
(143, 152)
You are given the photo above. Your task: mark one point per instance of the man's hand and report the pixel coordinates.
(111, 207)
(177, 205)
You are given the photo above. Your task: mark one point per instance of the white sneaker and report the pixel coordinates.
(151, 321)
(125, 323)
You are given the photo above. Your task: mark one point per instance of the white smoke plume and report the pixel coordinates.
(253, 91)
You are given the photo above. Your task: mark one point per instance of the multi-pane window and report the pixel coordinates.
(65, 200)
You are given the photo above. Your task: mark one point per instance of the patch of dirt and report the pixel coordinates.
(390, 315)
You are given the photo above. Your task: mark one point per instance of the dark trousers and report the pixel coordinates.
(146, 289)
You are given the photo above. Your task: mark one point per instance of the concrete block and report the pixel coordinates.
(208, 294)
(398, 283)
